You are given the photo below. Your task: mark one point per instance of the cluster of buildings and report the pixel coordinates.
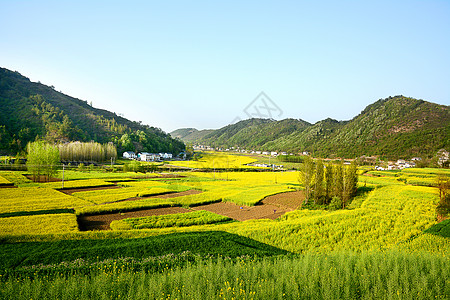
(233, 149)
(145, 156)
(399, 164)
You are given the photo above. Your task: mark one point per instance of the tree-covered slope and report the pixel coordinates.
(395, 127)
(189, 135)
(30, 110)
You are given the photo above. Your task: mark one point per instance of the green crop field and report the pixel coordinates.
(386, 244)
(200, 217)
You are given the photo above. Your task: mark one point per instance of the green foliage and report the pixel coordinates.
(42, 159)
(291, 158)
(306, 177)
(93, 152)
(336, 203)
(94, 250)
(392, 128)
(377, 275)
(31, 110)
(199, 217)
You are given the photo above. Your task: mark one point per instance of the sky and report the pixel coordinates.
(206, 64)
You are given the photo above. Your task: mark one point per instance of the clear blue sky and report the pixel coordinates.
(174, 64)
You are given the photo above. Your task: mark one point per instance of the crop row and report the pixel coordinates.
(4, 181)
(82, 183)
(14, 177)
(199, 217)
(333, 276)
(34, 199)
(38, 224)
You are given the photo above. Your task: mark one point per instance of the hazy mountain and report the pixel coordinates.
(394, 127)
(31, 110)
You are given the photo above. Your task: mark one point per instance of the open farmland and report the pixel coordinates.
(196, 218)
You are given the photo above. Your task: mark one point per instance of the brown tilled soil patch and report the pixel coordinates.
(101, 222)
(242, 213)
(270, 208)
(291, 200)
(86, 189)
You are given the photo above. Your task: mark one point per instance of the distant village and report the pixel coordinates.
(443, 157)
(152, 157)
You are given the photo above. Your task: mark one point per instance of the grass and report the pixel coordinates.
(386, 245)
(332, 276)
(4, 181)
(35, 199)
(38, 224)
(145, 203)
(81, 183)
(199, 217)
(210, 160)
(17, 255)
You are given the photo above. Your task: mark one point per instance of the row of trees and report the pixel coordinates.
(78, 151)
(330, 184)
(443, 185)
(42, 160)
(290, 158)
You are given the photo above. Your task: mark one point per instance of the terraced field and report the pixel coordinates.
(218, 213)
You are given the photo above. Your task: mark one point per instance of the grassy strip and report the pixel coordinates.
(199, 217)
(38, 224)
(36, 199)
(82, 183)
(15, 177)
(38, 212)
(441, 229)
(94, 250)
(376, 275)
(124, 206)
(4, 181)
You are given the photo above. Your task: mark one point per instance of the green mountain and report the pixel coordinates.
(395, 127)
(190, 135)
(31, 110)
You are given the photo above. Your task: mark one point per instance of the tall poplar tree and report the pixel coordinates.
(306, 177)
(42, 159)
(319, 191)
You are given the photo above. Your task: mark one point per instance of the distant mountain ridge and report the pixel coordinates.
(190, 134)
(394, 127)
(31, 110)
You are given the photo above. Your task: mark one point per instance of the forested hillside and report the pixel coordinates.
(189, 135)
(395, 127)
(31, 110)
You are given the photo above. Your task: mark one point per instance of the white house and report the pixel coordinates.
(273, 153)
(265, 153)
(129, 155)
(145, 156)
(165, 155)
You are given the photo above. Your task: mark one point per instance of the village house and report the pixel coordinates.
(129, 155)
(145, 156)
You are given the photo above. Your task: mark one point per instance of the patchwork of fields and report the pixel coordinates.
(393, 213)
